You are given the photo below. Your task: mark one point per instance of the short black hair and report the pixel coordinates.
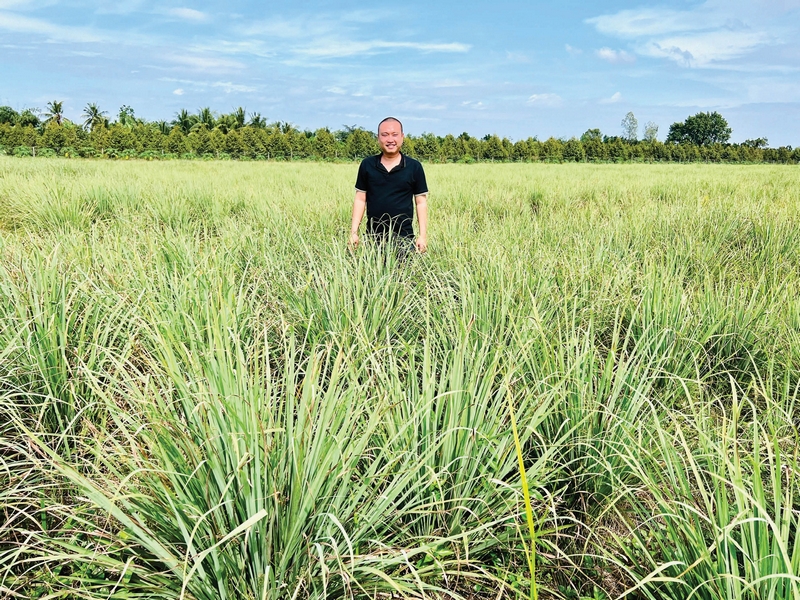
(391, 119)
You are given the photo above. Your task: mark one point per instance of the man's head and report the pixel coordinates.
(390, 136)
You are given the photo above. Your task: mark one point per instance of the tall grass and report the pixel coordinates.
(589, 385)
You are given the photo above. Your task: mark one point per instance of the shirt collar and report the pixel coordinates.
(401, 164)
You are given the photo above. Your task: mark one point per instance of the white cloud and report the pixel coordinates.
(229, 87)
(188, 14)
(613, 100)
(548, 100)
(337, 48)
(226, 86)
(641, 22)
(705, 48)
(448, 83)
(59, 33)
(206, 63)
(708, 35)
(572, 50)
(336, 90)
(615, 56)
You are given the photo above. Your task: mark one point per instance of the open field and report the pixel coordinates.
(204, 395)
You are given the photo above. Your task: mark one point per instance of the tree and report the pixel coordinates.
(127, 117)
(239, 118)
(552, 150)
(184, 121)
(701, 129)
(162, 127)
(226, 123)
(257, 121)
(8, 115)
(54, 112)
(206, 117)
(94, 117)
(592, 135)
(59, 136)
(630, 127)
(360, 143)
(427, 147)
(324, 144)
(574, 151)
(594, 149)
(29, 118)
(176, 141)
(650, 131)
(756, 143)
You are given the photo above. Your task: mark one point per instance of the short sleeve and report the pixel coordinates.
(361, 179)
(420, 186)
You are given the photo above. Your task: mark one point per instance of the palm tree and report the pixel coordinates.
(162, 127)
(94, 116)
(239, 117)
(257, 121)
(206, 117)
(286, 127)
(184, 120)
(226, 123)
(54, 112)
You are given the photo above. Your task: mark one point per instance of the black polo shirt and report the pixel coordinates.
(390, 194)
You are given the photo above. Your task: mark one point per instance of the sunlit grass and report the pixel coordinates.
(204, 394)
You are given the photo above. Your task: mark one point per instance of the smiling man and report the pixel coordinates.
(388, 187)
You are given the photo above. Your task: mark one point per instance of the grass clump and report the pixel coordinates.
(587, 389)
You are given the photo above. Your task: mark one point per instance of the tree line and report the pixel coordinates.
(703, 137)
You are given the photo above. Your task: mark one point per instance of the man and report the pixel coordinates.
(388, 187)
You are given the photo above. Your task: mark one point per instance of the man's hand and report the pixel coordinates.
(353, 241)
(422, 244)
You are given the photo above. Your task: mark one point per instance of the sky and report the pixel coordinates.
(517, 69)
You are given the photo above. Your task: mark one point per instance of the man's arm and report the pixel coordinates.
(422, 221)
(359, 206)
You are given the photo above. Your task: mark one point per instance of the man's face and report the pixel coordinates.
(390, 137)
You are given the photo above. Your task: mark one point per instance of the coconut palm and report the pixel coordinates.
(206, 117)
(184, 120)
(94, 117)
(239, 117)
(54, 111)
(226, 123)
(257, 121)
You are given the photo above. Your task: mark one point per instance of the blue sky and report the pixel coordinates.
(512, 68)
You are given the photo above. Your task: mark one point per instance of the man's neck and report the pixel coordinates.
(391, 160)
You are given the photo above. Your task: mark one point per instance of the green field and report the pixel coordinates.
(204, 394)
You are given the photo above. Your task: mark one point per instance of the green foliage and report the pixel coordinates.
(93, 117)
(701, 129)
(574, 151)
(209, 135)
(203, 394)
(54, 112)
(359, 143)
(8, 115)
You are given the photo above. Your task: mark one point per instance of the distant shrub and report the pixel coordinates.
(573, 151)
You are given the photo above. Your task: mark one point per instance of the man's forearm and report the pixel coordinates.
(422, 215)
(359, 207)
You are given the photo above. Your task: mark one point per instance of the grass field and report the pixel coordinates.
(204, 394)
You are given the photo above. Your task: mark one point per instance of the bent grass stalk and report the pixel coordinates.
(530, 552)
